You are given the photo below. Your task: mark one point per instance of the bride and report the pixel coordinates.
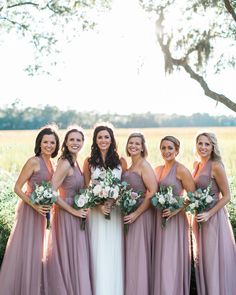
(106, 236)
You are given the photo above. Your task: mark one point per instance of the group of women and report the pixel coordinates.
(102, 260)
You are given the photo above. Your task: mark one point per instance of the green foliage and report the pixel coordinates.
(232, 204)
(8, 201)
(14, 117)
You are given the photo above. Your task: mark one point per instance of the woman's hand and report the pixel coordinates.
(82, 213)
(166, 213)
(42, 209)
(203, 217)
(128, 219)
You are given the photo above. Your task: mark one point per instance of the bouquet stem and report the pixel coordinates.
(108, 216)
(48, 220)
(82, 223)
(126, 228)
(163, 222)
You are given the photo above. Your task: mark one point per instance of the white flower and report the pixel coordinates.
(162, 200)
(81, 201)
(209, 199)
(196, 204)
(172, 200)
(97, 189)
(192, 206)
(115, 192)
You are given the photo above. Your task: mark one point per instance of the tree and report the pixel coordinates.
(198, 36)
(47, 24)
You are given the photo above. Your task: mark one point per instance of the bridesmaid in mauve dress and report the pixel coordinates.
(214, 244)
(21, 270)
(67, 263)
(138, 240)
(171, 258)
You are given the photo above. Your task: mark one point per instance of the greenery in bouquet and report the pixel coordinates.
(165, 199)
(200, 200)
(128, 201)
(44, 195)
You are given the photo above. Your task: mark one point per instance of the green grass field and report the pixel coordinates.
(17, 146)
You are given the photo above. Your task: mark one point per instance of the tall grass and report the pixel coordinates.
(17, 146)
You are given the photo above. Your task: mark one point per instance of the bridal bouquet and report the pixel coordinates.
(200, 200)
(106, 187)
(44, 195)
(127, 201)
(164, 199)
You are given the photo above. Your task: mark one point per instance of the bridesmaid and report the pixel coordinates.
(67, 269)
(171, 261)
(214, 244)
(22, 265)
(138, 241)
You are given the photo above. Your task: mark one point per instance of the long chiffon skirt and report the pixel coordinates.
(215, 256)
(21, 270)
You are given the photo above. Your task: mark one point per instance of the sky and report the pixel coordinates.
(116, 68)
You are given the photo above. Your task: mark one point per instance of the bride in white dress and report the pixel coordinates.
(106, 236)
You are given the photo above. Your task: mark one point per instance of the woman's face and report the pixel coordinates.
(134, 146)
(103, 140)
(168, 150)
(74, 142)
(204, 147)
(48, 144)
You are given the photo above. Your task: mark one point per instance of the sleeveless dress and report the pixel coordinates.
(21, 270)
(67, 264)
(138, 244)
(214, 245)
(172, 252)
(106, 242)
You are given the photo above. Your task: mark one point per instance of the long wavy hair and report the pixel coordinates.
(65, 153)
(215, 154)
(112, 158)
(46, 130)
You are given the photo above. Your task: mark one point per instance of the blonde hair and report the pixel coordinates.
(215, 154)
(144, 152)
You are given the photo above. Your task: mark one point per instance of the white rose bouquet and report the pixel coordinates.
(165, 199)
(200, 200)
(44, 195)
(128, 201)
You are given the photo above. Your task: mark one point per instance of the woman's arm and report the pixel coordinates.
(63, 170)
(86, 172)
(218, 172)
(31, 166)
(150, 182)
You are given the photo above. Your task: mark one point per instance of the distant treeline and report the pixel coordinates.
(15, 118)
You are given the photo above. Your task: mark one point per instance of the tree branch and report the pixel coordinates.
(230, 9)
(170, 62)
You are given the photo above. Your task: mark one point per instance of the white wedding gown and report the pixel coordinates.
(106, 240)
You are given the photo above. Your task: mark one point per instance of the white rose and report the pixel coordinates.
(192, 206)
(97, 189)
(81, 202)
(172, 200)
(162, 200)
(196, 204)
(209, 199)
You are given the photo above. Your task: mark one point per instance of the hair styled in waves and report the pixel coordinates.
(112, 158)
(65, 153)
